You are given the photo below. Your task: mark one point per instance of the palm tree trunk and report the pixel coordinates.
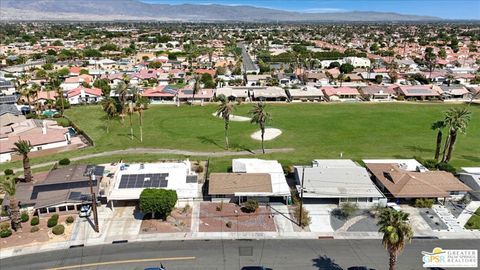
(263, 133)
(15, 214)
(63, 104)
(141, 126)
(439, 142)
(393, 261)
(451, 146)
(226, 135)
(446, 146)
(131, 126)
(26, 168)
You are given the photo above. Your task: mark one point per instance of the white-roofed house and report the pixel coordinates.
(337, 181)
(470, 176)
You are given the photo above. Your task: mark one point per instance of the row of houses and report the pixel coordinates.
(323, 181)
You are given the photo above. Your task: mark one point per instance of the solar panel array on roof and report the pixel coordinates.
(191, 179)
(418, 91)
(11, 99)
(169, 90)
(187, 92)
(149, 180)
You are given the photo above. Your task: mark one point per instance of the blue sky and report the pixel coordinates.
(448, 9)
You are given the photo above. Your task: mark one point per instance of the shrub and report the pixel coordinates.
(430, 164)
(34, 229)
(251, 206)
(70, 219)
(58, 230)
(220, 206)
(199, 169)
(5, 233)
(64, 161)
(423, 203)
(442, 166)
(229, 224)
(4, 226)
(159, 201)
(3, 213)
(55, 216)
(24, 217)
(348, 209)
(305, 221)
(52, 222)
(186, 208)
(34, 221)
(8, 172)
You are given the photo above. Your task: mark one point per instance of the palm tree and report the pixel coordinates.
(438, 126)
(139, 107)
(450, 78)
(130, 111)
(260, 117)
(457, 121)
(23, 147)
(121, 90)
(196, 88)
(110, 108)
(8, 185)
(341, 77)
(224, 110)
(396, 232)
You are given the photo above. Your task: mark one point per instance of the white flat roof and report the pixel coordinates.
(472, 170)
(406, 164)
(177, 179)
(272, 167)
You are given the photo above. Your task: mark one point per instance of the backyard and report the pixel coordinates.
(353, 131)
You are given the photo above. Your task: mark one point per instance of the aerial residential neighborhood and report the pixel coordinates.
(239, 135)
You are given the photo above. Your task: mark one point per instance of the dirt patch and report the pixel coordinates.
(212, 220)
(44, 234)
(178, 221)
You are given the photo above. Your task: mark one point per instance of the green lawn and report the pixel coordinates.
(474, 222)
(313, 130)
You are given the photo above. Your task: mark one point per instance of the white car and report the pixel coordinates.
(85, 211)
(394, 206)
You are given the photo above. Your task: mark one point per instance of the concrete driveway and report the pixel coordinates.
(320, 217)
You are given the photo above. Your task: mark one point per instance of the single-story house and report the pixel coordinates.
(82, 94)
(60, 190)
(160, 94)
(203, 95)
(341, 93)
(262, 180)
(416, 92)
(454, 91)
(318, 77)
(6, 87)
(377, 93)
(307, 93)
(337, 181)
(257, 80)
(9, 113)
(234, 93)
(399, 182)
(270, 93)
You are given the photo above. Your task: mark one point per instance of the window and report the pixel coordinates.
(71, 207)
(62, 208)
(39, 148)
(52, 209)
(42, 210)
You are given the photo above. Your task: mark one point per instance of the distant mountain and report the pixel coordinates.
(106, 10)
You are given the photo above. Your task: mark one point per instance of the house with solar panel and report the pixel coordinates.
(416, 92)
(60, 191)
(129, 180)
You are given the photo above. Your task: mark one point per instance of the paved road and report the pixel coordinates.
(166, 152)
(232, 255)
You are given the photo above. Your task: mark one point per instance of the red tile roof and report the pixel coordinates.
(91, 91)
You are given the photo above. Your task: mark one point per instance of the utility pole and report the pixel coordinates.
(301, 199)
(94, 203)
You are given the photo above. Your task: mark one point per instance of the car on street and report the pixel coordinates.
(255, 268)
(85, 211)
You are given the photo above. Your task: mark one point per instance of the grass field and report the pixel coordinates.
(474, 222)
(313, 130)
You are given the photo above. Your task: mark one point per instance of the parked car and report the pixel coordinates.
(85, 211)
(394, 206)
(255, 268)
(156, 268)
(359, 268)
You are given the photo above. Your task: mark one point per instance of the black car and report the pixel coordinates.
(255, 268)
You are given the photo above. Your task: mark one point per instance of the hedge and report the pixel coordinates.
(58, 230)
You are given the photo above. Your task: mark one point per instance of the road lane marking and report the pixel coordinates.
(122, 262)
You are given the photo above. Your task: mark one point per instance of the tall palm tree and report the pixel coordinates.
(140, 107)
(396, 233)
(224, 110)
(121, 90)
(438, 126)
(130, 111)
(260, 117)
(8, 185)
(196, 87)
(341, 77)
(23, 147)
(457, 121)
(110, 108)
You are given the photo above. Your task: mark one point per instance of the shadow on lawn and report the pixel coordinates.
(206, 140)
(416, 148)
(325, 263)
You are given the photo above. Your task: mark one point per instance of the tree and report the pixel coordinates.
(346, 68)
(121, 90)
(341, 77)
(130, 111)
(378, 79)
(456, 120)
(224, 110)
(438, 126)
(161, 201)
(396, 233)
(23, 147)
(260, 117)
(110, 108)
(334, 65)
(140, 107)
(8, 185)
(104, 85)
(430, 59)
(196, 88)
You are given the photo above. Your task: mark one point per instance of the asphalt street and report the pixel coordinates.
(232, 255)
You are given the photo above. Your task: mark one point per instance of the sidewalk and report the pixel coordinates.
(468, 212)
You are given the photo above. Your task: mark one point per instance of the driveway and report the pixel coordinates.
(320, 217)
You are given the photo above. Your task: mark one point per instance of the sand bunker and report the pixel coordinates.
(236, 118)
(270, 134)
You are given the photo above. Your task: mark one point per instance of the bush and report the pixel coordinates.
(442, 166)
(251, 206)
(199, 169)
(58, 230)
(8, 172)
(24, 217)
(185, 209)
(423, 203)
(34, 229)
(52, 222)
(430, 164)
(4, 226)
(159, 201)
(229, 224)
(3, 213)
(220, 206)
(348, 209)
(305, 216)
(34, 221)
(64, 161)
(5, 233)
(55, 216)
(70, 219)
